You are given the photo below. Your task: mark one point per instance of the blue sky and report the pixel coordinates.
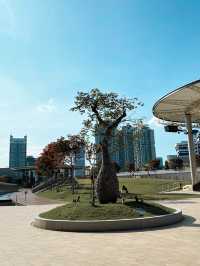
(51, 49)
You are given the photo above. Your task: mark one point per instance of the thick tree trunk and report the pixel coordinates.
(107, 187)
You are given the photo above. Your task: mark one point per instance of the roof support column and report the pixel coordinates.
(192, 157)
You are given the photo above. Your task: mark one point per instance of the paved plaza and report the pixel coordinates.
(26, 197)
(24, 245)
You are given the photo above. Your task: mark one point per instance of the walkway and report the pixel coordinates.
(26, 197)
(22, 244)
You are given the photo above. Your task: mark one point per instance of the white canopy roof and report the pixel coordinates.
(184, 100)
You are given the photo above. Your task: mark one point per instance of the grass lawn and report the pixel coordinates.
(84, 211)
(147, 188)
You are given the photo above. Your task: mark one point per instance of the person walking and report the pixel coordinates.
(25, 194)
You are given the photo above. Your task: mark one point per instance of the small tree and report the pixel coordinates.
(91, 153)
(179, 163)
(48, 160)
(154, 164)
(69, 148)
(166, 165)
(58, 154)
(104, 111)
(176, 164)
(131, 168)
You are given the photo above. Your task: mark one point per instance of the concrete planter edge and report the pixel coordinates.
(109, 225)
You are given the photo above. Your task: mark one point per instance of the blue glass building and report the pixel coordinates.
(130, 145)
(17, 155)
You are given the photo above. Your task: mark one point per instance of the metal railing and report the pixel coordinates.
(171, 187)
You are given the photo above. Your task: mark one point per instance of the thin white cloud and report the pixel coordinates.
(7, 18)
(48, 107)
(155, 122)
(34, 150)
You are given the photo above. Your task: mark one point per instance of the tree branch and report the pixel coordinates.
(116, 122)
(94, 110)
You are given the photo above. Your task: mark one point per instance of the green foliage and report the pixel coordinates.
(154, 164)
(175, 163)
(103, 108)
(58, 153)
(148, 189)
(48, 160)
(104, 111)
(166, 165)
(105, 211)
(131, 167)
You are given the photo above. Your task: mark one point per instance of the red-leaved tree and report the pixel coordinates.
(58, 154)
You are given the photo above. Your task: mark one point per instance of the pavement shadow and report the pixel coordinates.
(187, 221)
(181, 202)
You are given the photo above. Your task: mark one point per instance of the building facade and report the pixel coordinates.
(130, 145)
(79, 163)
(17, 155)
(160, 159)
(171, 157)
(30, 160)
(182, 150)
(144, 148)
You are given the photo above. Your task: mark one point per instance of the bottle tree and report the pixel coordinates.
(104, 111)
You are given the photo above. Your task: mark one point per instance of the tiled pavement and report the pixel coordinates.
(26, 197)
(24, 245)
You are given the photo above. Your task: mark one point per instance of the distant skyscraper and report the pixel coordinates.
(160, 159)
(182, 150)
(114, 146)
(30, 160)
(144, 146)
(79, 163)
(130, 145)
(17, 156)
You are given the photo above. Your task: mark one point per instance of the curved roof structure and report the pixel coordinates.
(184, 100)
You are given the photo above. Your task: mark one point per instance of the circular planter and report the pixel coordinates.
(108, 225)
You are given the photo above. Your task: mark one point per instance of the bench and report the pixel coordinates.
(125, 196)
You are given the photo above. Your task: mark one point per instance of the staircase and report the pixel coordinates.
(52, 183)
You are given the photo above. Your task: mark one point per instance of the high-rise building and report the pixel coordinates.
(171, 157)
(17, 156)
(197, 143)
(79, 163)
(115, 146)
(182, 150)
(144, 147)
(130, 145)
(30, 160)
(126, 143)
(160, 159)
